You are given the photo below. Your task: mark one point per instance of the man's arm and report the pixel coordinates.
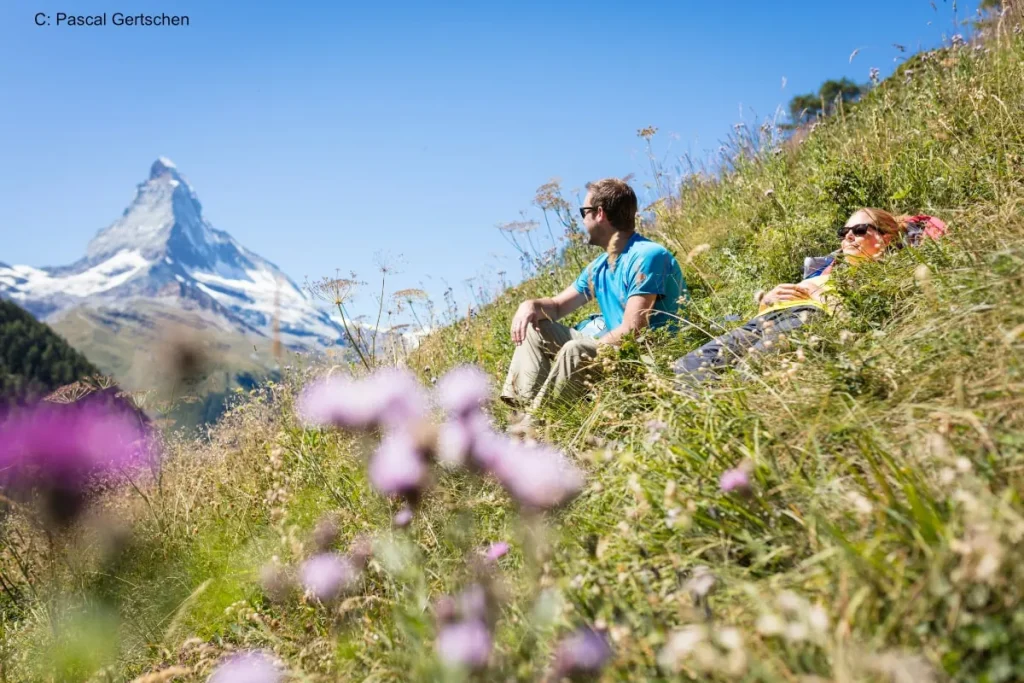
(636, 317)
(550, 308)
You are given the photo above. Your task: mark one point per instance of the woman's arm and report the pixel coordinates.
(788, 292)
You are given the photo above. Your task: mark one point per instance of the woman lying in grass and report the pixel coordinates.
(866, 236)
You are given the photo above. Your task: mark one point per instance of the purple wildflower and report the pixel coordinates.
(403, 517)
(466, 644)
(459, 441)
(496, 551)
(537, 476)
(58, 449)
(337, 402)
(398, 395)
(454, 440)
(397, 467)
(475, 603)
(388, 398)
(736, 480)
(247, 667)
(488, 448)
(582, 653)
(463, 390)
(327, 575)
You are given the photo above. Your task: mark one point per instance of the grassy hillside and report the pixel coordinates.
(883, 537)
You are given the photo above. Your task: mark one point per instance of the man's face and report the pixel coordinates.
(590, 221)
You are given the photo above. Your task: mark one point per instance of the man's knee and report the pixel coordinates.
(577, 350)
(540, 336)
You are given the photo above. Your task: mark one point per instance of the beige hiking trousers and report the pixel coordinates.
(551, 364)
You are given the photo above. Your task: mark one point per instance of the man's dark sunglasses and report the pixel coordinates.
(858, 230)
(584, 209)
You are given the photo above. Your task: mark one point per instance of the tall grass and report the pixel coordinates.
(884, 535)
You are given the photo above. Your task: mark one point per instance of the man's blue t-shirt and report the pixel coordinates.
(643, 267)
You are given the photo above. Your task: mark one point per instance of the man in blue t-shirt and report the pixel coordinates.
(636, 282)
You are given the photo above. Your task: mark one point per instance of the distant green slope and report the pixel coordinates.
(35, 360)
(133, 347)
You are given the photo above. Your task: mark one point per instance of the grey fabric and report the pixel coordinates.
(762, 334)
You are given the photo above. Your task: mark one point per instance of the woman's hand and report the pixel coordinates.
(785, 292)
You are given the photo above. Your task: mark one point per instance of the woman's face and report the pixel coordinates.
(864, 247)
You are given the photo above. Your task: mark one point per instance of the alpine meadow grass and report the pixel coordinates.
(848, 510)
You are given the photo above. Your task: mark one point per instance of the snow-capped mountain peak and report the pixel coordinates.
(162, 247)
(163, 202)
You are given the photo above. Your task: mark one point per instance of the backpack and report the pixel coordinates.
(921, 226)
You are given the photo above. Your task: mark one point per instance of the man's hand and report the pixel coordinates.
(528, 314)
(785, 292)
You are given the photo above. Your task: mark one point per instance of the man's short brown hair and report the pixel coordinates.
(618, 201)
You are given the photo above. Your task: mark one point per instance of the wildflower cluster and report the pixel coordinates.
(394, 403)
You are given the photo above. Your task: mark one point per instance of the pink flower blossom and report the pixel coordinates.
(465, 644)
(736, 480)
(454, 440)
(403, 517)
(459, 440)
(400, 397)
(336, 402)
(496, 551)
(537, 476)
(388, 398)
(328, 575)
(475, 603)
(247, 667)
(58, 449)
(397, 467)
(582, 653)
(463, 390)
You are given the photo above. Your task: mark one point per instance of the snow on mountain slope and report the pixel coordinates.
(162, 247)
(108, 274)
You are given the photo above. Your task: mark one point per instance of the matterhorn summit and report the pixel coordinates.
(162, 251)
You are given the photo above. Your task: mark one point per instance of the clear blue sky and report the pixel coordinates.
(320, 133)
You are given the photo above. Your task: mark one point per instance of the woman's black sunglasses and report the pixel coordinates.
(858, 230)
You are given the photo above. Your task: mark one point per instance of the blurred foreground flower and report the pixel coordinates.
(582, 654)
(736, 480)
(388, 398)
(59, 450)
(248, 667)
(328, 575)
(398, 467)
(496, 551)
(464, 623)
(537, 476)
(463, 391)
(465, 644)
(403, 517)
